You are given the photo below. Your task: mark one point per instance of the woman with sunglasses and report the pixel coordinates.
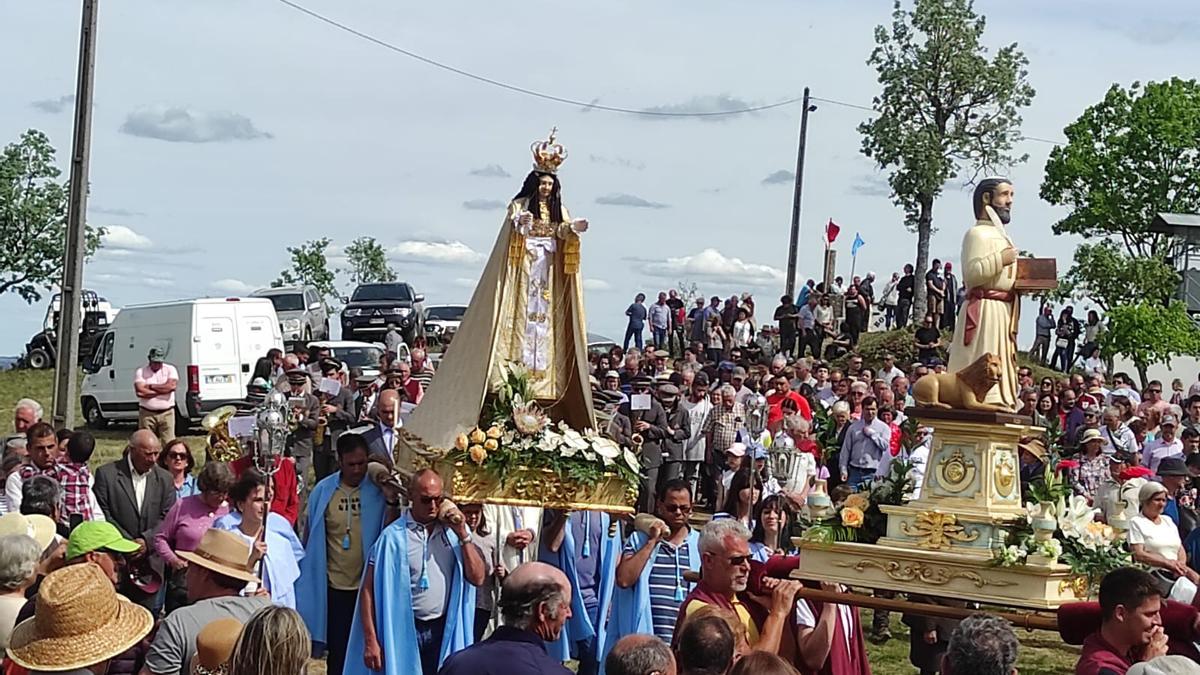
(186, 523)
(177, 459)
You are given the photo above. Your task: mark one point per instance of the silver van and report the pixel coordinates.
(303, 316)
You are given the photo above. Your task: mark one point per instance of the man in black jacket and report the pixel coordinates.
(650, 423)
(904, 297)
(135, 493)
(678, 431)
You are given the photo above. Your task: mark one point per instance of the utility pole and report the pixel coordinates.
(69, 311)
(797, 190)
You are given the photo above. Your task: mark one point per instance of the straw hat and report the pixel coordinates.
(79, 621)
(40, 528)
(214, 646)
(222, 552)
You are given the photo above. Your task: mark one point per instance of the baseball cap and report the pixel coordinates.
(612, 373)
(94, 535)
(156, 354)
(1168, 418)
(737, 450)
(739, 372)
(760, 452)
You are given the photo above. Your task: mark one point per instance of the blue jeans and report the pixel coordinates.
(636, 334)
(859, 476)
(660, 338)
(429, 643)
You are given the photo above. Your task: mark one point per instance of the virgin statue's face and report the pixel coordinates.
(545, 186)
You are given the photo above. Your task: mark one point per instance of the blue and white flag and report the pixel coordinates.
(858, 243)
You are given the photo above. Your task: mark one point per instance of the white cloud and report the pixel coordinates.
(596, 285)
(234, 286)
(139, 279)
(434, 252)
(177, 124)
(712, 265)
(54, 105)
(122, 238)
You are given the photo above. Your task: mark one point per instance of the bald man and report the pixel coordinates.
(535, 602)
(135, 493)
(423, 571)
(381, 438)
(640, 655)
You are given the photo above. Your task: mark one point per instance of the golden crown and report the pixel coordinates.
(547, 154)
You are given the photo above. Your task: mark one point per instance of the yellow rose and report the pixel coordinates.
(491, 444)
(461, 442)
(477, 436)
(494, 432)
(858, 501)
(852, 517)
(478, 454)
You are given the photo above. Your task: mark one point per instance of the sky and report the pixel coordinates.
(226, 130)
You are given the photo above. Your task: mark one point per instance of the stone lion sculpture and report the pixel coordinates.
(963, 390)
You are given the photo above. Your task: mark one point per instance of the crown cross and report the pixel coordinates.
(548, 155)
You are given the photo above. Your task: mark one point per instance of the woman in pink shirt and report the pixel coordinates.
(186, 523)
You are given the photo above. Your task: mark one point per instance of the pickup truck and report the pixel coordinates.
(374, 307)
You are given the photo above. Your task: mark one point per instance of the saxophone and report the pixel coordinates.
(322, 422)
(635, 439)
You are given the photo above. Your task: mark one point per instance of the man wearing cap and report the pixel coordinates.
(738, 379)
(1173, 474)
(154, 384)
(81, 624)
(1166, 444)
(678, 431)
(649, 420)
(218, 570)
(658, 362)
(338, 411)
(304, 410)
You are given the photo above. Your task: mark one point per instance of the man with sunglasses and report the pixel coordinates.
(417, 600)
(1153, 400)
(650, 583)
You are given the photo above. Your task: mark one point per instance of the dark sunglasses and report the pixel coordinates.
(739, 560)
(677, 508)
(176, 455)
(432, 500)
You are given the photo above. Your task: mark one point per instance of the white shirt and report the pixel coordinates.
(1161, 539)
(139, 483)
(890, 374)
(806, 619)
(1157, 450)
(918, 458)
(12, 492)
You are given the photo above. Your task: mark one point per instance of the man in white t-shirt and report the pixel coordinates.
(838, 647)
(889, 371)
(154, 384)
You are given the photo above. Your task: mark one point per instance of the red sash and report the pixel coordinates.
(975, 298)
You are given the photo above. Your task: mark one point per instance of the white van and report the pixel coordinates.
(212, 342)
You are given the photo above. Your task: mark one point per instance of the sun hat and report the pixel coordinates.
(1171, 664)
(96, 535)
(79, 621)
(40, 528)
(737, 450)
(1090, 435)
(214, 646)
(222, 552)
(1034, 446)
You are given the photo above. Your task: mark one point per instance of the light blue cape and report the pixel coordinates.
(579, 627)
(281, 566)
(312, 589)
(631, 606)
(395, 624)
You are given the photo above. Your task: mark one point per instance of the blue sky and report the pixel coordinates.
(226, 130)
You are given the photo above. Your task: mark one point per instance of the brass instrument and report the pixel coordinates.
(319, 434)
(220, 445)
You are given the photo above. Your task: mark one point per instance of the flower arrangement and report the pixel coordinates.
(515, 434)
(859, 518)
(1061, 527)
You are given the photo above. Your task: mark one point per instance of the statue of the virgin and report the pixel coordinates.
(527, 311)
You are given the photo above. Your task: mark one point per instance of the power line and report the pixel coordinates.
(872, 110)
(522, 90)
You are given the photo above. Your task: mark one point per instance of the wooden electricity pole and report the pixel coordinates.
(806, 108)
(69, 311)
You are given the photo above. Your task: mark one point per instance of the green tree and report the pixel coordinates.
(368, 262)
(1104, 274)
(309, 267)
(1148, 333)
(33, 218)
(945, 108)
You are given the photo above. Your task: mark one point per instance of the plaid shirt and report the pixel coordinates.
(1090, 475)
(724, 425)
(76, 482)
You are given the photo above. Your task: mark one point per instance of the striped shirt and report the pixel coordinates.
(667, 587)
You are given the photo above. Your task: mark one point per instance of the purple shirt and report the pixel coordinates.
(185, 524)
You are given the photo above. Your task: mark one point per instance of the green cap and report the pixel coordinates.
(94, 535)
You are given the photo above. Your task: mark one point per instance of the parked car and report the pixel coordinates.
(373, 307)
(442, 321)
(598, 344)
(365, 355)
(302, 313)
(212, 342)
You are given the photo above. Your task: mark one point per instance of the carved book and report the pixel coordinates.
(1036, 274)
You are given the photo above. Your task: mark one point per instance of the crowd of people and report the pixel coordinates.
(316, 555)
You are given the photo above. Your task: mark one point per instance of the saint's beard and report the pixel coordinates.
(1003, 213)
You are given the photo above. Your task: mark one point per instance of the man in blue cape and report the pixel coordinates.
(417, 602)
(650, 584)
(345, 516)
(581, 544)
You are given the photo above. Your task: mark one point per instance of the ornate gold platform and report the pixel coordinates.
(942, 544)
(535, 487)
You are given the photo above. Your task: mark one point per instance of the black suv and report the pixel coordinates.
(374, 306)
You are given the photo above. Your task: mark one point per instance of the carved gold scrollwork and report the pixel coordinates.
(955, 472)
(928, 574)
(1005, 474)
(936, 530)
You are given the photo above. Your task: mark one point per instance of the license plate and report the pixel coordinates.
(377, 322)
(218, 379)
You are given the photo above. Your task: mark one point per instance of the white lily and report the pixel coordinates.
(572, 438)
(606, 447)
(631, 460)
(1074, 516)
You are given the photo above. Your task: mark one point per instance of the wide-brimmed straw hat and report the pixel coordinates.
(214, 646)
(40, 528)
(79, 621)
(222, 552)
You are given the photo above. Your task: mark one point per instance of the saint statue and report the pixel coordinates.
(987, 321)
(527, 311)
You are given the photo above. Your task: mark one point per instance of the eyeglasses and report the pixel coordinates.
(739, 560)
(432, 500)
(177, 455)
(677, 508)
